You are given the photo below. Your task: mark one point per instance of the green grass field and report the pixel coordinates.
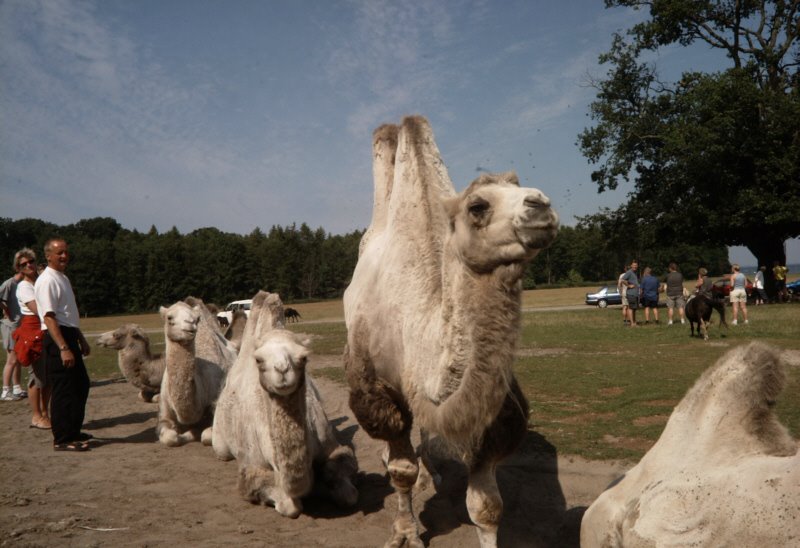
(597, 389)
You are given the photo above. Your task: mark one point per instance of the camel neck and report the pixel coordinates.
(288, 431)
(180, 365)
(481, 317)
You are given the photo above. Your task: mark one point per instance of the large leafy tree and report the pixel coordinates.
(714, 158)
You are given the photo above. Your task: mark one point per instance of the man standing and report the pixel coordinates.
(675, 299)
(10, 321)
(630, 281)
(64, 347)
(649, 287)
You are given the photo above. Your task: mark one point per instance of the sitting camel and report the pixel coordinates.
(724, 472)
(269, 417)
(196, 359)
(140, 367)
(433, 316)
(698, 311)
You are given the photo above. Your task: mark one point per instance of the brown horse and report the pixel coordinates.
(698, 310)
(291, 315)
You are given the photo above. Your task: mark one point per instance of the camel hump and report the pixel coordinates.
(409, 175)
(740, 392)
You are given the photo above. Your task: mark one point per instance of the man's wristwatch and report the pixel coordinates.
(63, 347)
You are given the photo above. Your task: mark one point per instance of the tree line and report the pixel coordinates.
(116, 270)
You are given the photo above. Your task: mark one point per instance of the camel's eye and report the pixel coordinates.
(478, 207)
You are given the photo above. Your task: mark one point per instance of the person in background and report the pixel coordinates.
(650, 285)
(675, 298)
(738, 293)
(64, 347)
(29, 331)
(10, 321)
(758, 285)
(779, 272)
(703, 285)
(621, 289)
(631, 283)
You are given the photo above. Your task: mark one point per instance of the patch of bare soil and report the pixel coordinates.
(129, 490)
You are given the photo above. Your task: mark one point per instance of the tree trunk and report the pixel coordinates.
(769, 251)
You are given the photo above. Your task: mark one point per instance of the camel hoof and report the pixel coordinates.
(206, 436)
(289, 508)
(169, 438)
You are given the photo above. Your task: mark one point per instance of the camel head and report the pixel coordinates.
(281, 360)
(496, 222)
(123, 336)
(180, 321)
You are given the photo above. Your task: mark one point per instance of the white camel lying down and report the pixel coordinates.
(724, 472)
(196, 359)
(141, 368)
(269, 417)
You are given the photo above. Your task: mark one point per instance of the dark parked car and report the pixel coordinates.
(604, 296)
(722, 290)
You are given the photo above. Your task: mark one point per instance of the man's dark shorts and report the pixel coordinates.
(650, 303)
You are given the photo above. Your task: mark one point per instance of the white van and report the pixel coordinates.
(226, 315)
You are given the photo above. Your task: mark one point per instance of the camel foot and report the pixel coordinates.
(290, 508)
(206, 436)
(170, 438)
(404, 534)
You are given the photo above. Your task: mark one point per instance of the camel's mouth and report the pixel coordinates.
(283, 389)
(538, 237)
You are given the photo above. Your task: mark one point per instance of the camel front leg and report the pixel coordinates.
(484, 504)
(257, 484)
(403, 471)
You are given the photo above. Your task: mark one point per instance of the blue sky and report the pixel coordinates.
(245, 114)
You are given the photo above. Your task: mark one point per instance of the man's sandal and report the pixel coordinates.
(71, 446)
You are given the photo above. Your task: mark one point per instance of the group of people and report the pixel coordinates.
(645, 293)
(41, 330)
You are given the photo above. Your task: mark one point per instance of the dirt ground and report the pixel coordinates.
(129, 490)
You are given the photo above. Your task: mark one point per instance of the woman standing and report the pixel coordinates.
(29, 329)
(738, 294)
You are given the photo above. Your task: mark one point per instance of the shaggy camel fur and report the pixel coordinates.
(433, 316)
(141, 368)
(269, 417)
(196, 357)
(724, 472)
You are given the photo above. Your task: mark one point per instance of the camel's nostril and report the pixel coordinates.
(535, 203)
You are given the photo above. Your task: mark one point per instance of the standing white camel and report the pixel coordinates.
(433, 316)
(141, 368)
(196, 359)
(269, 417)
(724, 472)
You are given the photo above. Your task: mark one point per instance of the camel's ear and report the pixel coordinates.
(450, 206)
(163, 311)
